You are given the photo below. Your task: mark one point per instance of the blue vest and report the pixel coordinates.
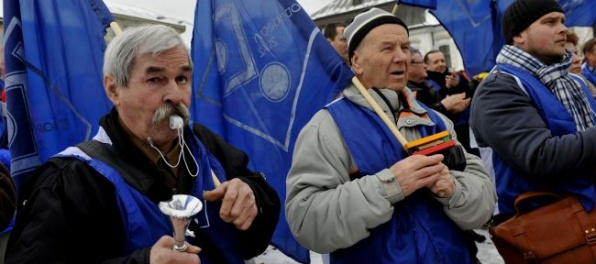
(511, 183)
(144, 223)
(9, 227)
(419, 231)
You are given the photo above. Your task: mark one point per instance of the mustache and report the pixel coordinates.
(168, 109)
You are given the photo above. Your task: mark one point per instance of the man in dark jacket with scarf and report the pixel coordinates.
(97, 202)
(537, 118)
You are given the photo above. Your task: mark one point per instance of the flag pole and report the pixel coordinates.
(395, 7)
(402, 140)
(116, 28)
(216, 181)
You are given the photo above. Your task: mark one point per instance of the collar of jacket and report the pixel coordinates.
(418, 117)
(153, 181)
(352, 93)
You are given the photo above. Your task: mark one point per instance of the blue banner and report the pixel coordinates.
(54, 87)
(262, 69)
(420, 3)
(475, 26)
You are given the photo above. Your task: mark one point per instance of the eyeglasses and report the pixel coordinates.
(416, 62)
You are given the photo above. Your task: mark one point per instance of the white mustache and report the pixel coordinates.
(167, 110)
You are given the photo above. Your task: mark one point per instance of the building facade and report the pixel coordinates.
(426, 33)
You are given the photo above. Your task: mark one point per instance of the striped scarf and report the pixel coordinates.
(557, 79)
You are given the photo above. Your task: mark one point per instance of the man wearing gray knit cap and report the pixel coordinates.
(537, 118)
(355, 193)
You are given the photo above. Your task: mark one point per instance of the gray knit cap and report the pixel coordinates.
(365, 22)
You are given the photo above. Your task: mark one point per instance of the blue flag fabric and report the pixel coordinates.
(262, 69)
(475, 26)
(54, 57)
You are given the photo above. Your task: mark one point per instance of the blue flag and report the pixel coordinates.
(54, 57)
(475, 26)
(262, 69)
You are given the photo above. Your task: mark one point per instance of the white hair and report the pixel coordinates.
(135, 42)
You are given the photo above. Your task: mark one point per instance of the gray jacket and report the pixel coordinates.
(327, 211)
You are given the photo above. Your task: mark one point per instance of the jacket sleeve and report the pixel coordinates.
(325, 210)
(504, 118)
(8, 198)
(71, 216)
(257, 237)
(474, 199)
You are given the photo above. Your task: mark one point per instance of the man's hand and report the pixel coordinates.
(238, 205)
(445, 184)
(417, 171)
(451, 80)
(456, 103)
(162, 252)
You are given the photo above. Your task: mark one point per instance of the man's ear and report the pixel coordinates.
(519, 39)
(356, 61)
(109, 84)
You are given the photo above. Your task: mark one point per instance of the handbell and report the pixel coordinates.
(181, 209)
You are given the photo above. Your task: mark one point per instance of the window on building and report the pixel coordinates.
(446, 51)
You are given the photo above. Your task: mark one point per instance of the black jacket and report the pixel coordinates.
(71, 215)
(429, 96)
(8, 198)
(464, 85)
(505, 119)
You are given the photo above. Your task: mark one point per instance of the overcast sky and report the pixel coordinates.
(184, 9)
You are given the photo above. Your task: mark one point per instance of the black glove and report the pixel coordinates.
(455, 159)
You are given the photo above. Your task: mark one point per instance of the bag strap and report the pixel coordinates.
(528, 195)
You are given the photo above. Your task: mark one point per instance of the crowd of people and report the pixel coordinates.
(354, 190)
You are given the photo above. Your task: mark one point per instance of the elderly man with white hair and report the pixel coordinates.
(355, 193)
(98, 202)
